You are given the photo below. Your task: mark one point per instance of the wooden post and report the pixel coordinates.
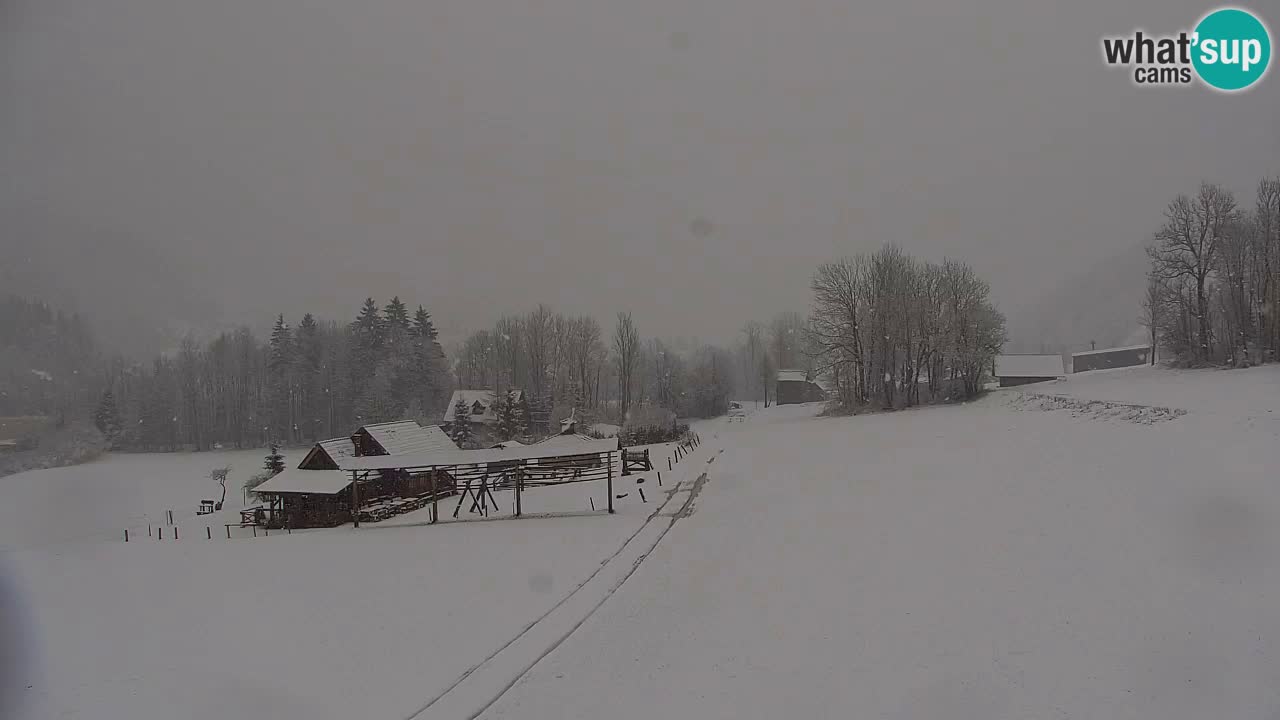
(355, 499)
(659, 478)
(668, 463)
(255, 531)
(610, 483)
(175, 533)
(126, 534)
(593, 503)
(148, 529)
(160, 533)
(431, 485)
(228, 532)
(208, 531)
(519, 482)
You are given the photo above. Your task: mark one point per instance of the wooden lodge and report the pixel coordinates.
(318, 492)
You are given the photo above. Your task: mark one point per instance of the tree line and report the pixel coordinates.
(303, 383)
(565, 363)
(1214, 285)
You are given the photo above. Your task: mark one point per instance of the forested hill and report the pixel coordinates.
(48, 359)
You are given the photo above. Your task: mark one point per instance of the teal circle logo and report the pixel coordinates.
(1232, 49)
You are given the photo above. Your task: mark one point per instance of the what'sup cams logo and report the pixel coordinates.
(1229, 50)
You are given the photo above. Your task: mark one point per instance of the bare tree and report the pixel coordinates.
(753, 332)
(1153, 304)
(219, 475)
(539, 327)
(626, 348)
(1187, 246)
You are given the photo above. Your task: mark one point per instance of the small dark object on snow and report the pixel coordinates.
(621, 496)
(642, 497)
(639, 481)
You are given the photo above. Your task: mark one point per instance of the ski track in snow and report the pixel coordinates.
(483, 684)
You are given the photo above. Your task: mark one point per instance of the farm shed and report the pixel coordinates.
(1110, 358)
(1014, 370)
(795, 386)
(299, 498)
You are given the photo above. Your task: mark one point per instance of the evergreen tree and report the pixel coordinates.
(281, 362)
(522, 416)
(281, 346)
(274, 464)
(396, 316)
(460, 431)
(430, 370)
(508, 425)
(369, 330)
(310, 359)
(107, 418)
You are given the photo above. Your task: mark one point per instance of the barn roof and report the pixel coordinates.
(337, 448)
(586, 446)
(1046, 366)
(792, 376)
(407, 436)
(1127, 348)
(312, 482)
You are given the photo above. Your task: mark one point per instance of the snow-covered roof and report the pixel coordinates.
(1029, 366)
(338, 448)
(509, 444)
(471, 397)
(314, 482)
(570, 441)
(407, 436)
(586, 446)
(792, 376)
(1128, 348)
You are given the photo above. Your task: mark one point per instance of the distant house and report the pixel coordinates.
(480, 402)
(1110, 358)
(795, 386)
(1014, 370)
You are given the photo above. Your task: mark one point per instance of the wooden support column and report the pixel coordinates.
(610, 482)
(519, 470)
(431, 484)
(355, 499)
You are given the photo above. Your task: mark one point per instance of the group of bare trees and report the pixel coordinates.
(565, 362)
(1214, 285)
(885, 325)
(766, 347)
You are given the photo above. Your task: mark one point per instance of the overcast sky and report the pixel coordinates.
(689, 160)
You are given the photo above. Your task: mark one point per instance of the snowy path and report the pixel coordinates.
(964, 562)
(484, 684)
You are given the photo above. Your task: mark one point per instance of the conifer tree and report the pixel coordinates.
(107, 418)
(460, 431)
(274, 463)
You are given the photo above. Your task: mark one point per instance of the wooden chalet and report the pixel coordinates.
(318, 492)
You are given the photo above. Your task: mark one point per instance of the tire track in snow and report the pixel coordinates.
(493, 676)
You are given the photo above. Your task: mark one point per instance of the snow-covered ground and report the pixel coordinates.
(98, 500)
(319, 624)
(978, 561)
(1000, 559)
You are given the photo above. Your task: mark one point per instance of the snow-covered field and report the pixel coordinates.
(98, 500)
(319, 624)
(1001, 559)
